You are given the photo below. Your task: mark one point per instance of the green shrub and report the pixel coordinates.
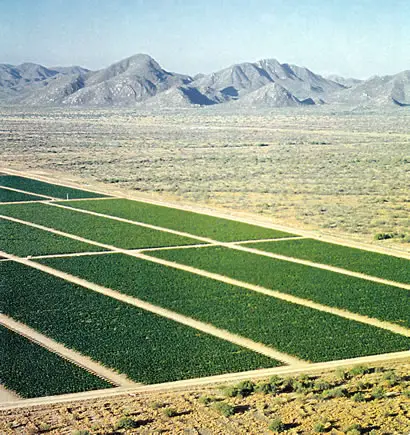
(378, 393)
(224, 408)
(321, 385)
(275, 380)
(319, 428)
(391, 378)
(245, 388)
(334, 393)
(359, 370)
(276, 425)
(170, 412)
(354, 429)
(264, 387)
(80, 432)
(358, 397)
(206, 400)
(125, 423)
(230, 391)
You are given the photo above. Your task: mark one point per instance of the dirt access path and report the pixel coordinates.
(200, 383)
(273, 293)
(245, 217)
(240, 247)
(66, 353)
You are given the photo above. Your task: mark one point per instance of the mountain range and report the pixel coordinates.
(139, 81)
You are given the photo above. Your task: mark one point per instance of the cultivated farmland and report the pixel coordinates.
(19, 239)
(224, 230)
(329, 288)
(99, 229)
(42, 188)
(144, 346)
(13, 196)
(34, 371)
(163, 294)
(316, 336)
(358, 260)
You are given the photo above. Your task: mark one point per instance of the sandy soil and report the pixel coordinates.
(7, 395)
(374, 399)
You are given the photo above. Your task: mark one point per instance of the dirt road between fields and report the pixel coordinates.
(273, 293)
(239, 247)
(66, 353)
(7, 396)
(245, 217)
(199, 383)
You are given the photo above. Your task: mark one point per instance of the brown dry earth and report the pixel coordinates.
(342, 173)
(383, 408)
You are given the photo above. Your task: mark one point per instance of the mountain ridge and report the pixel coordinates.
(140, 81)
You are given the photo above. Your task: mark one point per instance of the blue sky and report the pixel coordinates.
(351, 38)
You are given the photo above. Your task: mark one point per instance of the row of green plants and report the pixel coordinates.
(291, 328)
(32, 371)
(147, 347)
(100, 229)
(12, 196)
(224, 230)
(42, 188)
(22, 240)
(357, 260)
(329, 288)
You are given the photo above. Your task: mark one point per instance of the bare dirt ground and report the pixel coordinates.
(372, 399)
(344, 174)
(7, 395)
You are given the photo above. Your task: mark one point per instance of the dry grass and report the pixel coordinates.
(344, 174)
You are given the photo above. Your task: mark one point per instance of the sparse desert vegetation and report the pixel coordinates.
(355, 400)
(344, 173)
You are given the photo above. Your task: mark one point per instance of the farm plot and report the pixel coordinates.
(32, 371)
(304, 332)
(22, 240)
(43, 188)
(357, 260)
(144, 346)
(329, 288)
(99, 229)
(223, 230)
(12, 196)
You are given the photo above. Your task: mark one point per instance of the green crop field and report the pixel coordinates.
(99, 229)
(151, 348)
(316, 336)
(12, 196)
(42, 188)
(370, 263)
(23, 240)
(146, 347)
(329, 288)
(223, 230)
(32, 371)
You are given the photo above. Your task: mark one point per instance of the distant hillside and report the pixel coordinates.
(141, 82)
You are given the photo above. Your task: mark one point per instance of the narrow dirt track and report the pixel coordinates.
(27, 193)
(239, 247)
(249, 219)
(66, 353)
(188, 321)
(198, 383)
(273, 293)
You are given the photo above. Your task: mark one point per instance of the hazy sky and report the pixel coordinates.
(349, 37)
